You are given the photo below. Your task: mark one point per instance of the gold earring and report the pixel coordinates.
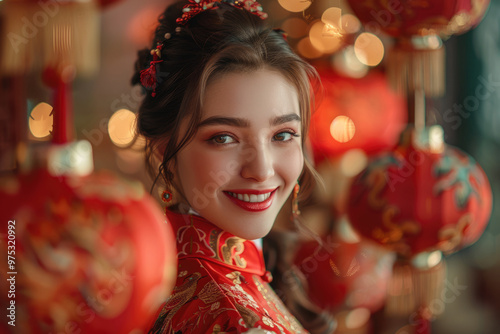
(295, 201)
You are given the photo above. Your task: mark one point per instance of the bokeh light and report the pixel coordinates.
(295, 6)
(121, 127)
(369, 49)
(347, 63)
(41, 120)
(332, 18)
(324, 38)
(350, 24)
(342, 129)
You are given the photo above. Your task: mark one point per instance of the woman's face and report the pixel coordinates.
(246, 157)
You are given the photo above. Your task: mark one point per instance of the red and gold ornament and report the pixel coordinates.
(343, 121)
(418, 198)
(93, 254)
(418, 18)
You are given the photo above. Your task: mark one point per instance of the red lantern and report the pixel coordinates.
(417, 199)
(342, 273)
(91, 254)
(344, 121)
(409, 18)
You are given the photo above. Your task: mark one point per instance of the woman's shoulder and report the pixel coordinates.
(204, 301)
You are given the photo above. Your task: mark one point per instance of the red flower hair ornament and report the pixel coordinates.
(149, 77)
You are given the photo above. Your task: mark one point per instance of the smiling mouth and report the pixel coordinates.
(253, 201)
(251, 198)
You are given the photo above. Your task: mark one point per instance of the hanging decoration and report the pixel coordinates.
(420, 18)
(92, 253)
(421, 200)
(421, 197)
(343, 274)
(343, 121)
(417, 60)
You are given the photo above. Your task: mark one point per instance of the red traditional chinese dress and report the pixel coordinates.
(222, 285)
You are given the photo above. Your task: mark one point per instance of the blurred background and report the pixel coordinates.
(362, 114)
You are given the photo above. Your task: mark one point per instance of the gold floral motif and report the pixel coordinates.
(267, 321)
(240, 295)
(214, 306)
(284, 317)
(235, 276)
(182, 273)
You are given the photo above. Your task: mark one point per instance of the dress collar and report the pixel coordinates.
(198, 238)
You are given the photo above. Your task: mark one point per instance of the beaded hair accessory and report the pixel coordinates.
(149, 78)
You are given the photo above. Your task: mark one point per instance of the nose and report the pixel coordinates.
(258, 164)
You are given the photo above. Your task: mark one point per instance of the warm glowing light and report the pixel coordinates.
(357, 318)
(353, 162)
(342, 129)
(41, 120)
(121, 127)
(325, 37)
(347, 63)
(427, 260)
(307, 50)
(332, 17)
(295, 5)
(350, 24)
(369, 49)
(295, 27)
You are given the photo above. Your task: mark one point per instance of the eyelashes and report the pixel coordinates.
(221, 139)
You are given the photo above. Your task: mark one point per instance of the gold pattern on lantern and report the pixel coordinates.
(451, 236)
(394, 232)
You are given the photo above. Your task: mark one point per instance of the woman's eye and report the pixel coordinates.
(222, 139)
(284, 136)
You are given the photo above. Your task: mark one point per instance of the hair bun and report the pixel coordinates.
(142, 62)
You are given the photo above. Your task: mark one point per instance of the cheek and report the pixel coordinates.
(290, 163)
(203, 170)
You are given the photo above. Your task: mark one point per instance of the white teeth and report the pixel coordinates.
(252, 198)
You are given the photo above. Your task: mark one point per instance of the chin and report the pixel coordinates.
(247, 233)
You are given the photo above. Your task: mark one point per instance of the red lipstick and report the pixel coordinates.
(252, 206)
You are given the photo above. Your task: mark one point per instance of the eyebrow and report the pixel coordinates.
(244, 123)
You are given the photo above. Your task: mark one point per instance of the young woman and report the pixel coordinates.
(226, 113)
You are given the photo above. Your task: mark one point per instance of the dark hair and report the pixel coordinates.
(212, 43)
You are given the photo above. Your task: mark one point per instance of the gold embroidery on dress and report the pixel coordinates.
(249, 316)
(238, 246)
(181, 294)
(289, 321)
(235, 276)
(210, 293)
